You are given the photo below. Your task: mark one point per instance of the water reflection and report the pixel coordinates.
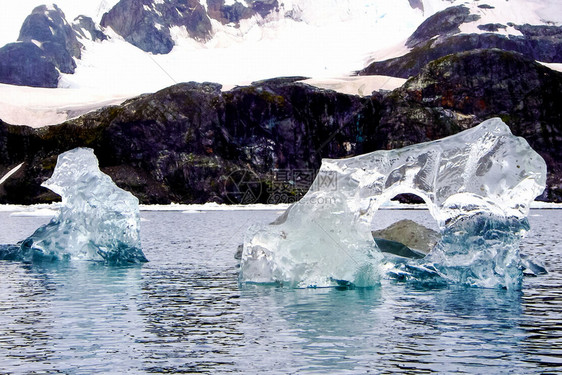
(61, 317)
(542, 296)
(25, 320)
(395, 328)
(185, 312)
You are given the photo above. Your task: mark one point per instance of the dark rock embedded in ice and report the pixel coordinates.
(411, 234)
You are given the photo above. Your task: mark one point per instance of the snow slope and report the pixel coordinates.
(359, 85)
(36, 107)
(330, 38)
(519, 12)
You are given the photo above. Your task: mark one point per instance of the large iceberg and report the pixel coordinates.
(97, 220)
(478, 185)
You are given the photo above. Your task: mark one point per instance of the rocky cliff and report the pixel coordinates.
(190, 142)
(146, 23)
(25, 64)
(181, 143)
(48, 28)
(46, 43)
(237, 11)
(440, 35)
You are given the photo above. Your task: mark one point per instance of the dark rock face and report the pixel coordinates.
(443, 23)
(56, 37)
(24, 64)
(181, 144)
(48, 43)
(539, 31)
(146, 24)
(86, 28)
(492, 27)
(263, 7)
(234, 13)
(486, 83)
(459, 91)
(547, 49)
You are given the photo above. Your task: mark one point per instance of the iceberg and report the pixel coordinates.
(478, 186)
(97, 220)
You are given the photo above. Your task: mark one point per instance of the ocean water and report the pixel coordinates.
(184, 311)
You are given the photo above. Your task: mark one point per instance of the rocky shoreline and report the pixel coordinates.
(189, 142)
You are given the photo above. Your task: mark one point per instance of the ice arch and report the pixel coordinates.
(483, 176)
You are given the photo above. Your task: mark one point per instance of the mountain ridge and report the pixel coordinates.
(182, 143)
(179, 33)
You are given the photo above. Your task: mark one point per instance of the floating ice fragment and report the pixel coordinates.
(97, 220)
(478, 186)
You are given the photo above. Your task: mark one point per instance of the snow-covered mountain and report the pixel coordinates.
(127, 47)
(466, 61)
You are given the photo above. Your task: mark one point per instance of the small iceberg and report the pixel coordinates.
(478, 186)
(97, 220)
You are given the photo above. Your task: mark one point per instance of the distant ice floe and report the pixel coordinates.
(52, 209)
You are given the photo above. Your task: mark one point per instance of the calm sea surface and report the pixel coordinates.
(184, 312)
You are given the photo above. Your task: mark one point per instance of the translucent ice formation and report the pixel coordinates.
(478, 185)
(97, 220)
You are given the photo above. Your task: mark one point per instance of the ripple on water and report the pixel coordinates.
(185, 312)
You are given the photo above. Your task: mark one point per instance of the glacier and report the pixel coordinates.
(97, 220)
(478, 186)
